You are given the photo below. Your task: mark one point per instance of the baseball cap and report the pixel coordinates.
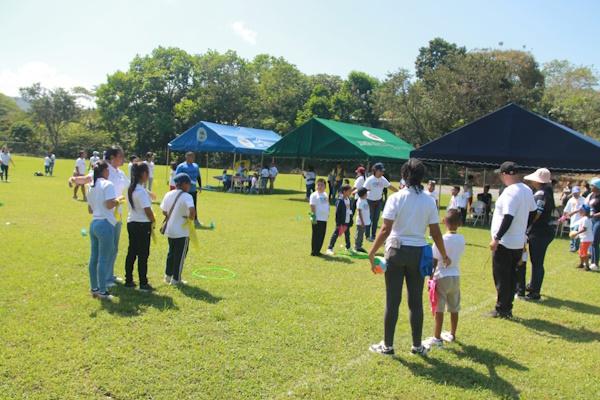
(378, 166)
(508, 167)
(182, 177)
(575, 189)
(585, 208)
(541, 175)
(360, 170)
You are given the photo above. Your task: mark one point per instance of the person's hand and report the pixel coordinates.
(372, 261)
(494, 244)
(446, 261)
(152, 195)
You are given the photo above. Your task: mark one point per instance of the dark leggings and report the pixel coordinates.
(310, 189)
(403, 264)
(178, 249)
(4, 168)
(537, 250)
(139, 247)
(336, 234)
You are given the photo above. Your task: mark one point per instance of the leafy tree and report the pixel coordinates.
(317, 105)
(438, 52)
(9, 113)
(355, 100)
(52, 108)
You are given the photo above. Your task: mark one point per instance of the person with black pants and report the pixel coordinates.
(192, 169)
(509, 226)
(319, 214)
(541, 231)
(343, 219)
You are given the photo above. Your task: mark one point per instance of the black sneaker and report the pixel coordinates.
(104, 296)
(533, 296)
(496, 314)
(130, 284)
(381, 348)
(361, 250)
(146, 288)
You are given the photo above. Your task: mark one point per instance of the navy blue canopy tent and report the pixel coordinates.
(513, 133)
(216, 138)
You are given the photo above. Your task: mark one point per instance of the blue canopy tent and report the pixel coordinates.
(209, 137)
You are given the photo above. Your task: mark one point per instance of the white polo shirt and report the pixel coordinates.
(412, 213)
(97, 195)
(177, 227)
(141, 200)
(321, 203)
(375, 187)
(516, 200)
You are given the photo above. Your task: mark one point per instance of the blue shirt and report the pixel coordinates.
(193, 170)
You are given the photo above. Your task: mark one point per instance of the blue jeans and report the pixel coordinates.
(375, 210)
(110, 272)
(102, 239)
(596, 241)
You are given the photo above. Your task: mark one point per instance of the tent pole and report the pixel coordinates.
(440, 191)
(302, 173)
(167, 167)
(206, 182)
(484, 177)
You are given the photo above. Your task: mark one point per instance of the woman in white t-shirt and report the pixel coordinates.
(101, 204)
(150, 162)
(319, 213)
(140, 223)
(406, 216)
(178, 207)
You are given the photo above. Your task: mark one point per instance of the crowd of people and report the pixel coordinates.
(251, 180)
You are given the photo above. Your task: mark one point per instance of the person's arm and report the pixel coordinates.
(436, 235)
(393, 188)
(111, 203)
(191, 213)
(90, 209)
(150, 214)
(199, 180)
(504, 226)
(383, 234)
(360, 217)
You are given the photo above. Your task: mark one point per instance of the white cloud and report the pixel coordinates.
(32, 72)
(247, 34)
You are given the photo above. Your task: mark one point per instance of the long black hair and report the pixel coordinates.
(99, 168)
(112, 152)
(413, 172)
(137, 170)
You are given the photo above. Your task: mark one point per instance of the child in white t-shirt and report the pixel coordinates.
(585, 234)
(150, 162)
(319, 214)
(363, 219)
(47, 163)
(448, 280)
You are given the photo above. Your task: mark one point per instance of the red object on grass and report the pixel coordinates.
(431, 284)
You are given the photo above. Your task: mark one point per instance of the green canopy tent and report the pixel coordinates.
(324, 139)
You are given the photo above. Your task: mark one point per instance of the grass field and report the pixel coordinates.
(287, 326)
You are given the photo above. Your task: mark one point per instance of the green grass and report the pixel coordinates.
(287, 326)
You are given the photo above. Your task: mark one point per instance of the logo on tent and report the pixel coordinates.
(246, 142)
(372, 136)
(201, 134)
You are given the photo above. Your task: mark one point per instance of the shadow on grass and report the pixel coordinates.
(570, 304)
(481, 246)
(554, 330)
(339, 259)
(298, 199)
(197, 293)
(443, 373)
(131, 303)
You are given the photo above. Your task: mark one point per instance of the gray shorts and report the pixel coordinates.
(448, 294)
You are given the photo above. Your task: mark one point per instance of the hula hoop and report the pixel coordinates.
(229, 274)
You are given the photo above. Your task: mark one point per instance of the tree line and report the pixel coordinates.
(165, 92)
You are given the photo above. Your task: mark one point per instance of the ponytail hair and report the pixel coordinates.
(99, 168)
(137, 171)
(413, 172)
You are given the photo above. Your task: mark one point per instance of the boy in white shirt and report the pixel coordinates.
(363, 219)
(459, 202)
(571, 211)
(319, 213)
(80, 170)
(585, 234)
(447, 280)
(178, 206)
(150, 162)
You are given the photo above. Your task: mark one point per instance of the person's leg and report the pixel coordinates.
(334, 237)
(143, 251)
(180, 254)
(6, 173)
(439, 322)
(83, 192)
(521, 275)
(394, 279)
(75, 189)
(414, 286)
(110, 271)
(347, 237)
(195, 198)
(93, 264)
(169, 267)
(308, 192)
(504, 271)
(358, 241)
(105, 234)
(313, 239)
(374, 208)
(596, 242)
(131, 251)
(321, 231)
(537, 247)
(150, 180)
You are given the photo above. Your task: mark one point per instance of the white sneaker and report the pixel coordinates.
(432, 341)
(329, 252)
(421, 350)
(447, 337)
(178, 283)
(168, 279)
(594, 267)
(381, 348)
(111, 284)
(104, 296)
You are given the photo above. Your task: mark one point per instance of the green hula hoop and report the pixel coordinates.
(201, 273)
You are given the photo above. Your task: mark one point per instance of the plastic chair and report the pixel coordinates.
(478, 212)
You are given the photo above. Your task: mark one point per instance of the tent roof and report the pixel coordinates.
(211, 137)
(513, 133)
(333, 140)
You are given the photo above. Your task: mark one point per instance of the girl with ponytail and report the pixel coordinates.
(140, 222)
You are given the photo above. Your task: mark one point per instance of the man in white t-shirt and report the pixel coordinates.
(273, 172)
(431, 192)
(509, 227)
(375, 185)
(571, 211)
(94, 159)
(80, 170)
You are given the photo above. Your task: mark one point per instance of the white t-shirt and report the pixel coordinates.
(310, 177)
(47, 161)
(321, 203)
(359, 183)
(273, 172)
(516, 200)
(119, 180)
(172, 178)
(375, 187)
(433, 195)
(574, 205)
(363, 206)
(412, 213)
(264, 173)
(103, 190)
(5, 157)
(176, 227)
(150, 165)
(254, 182)
(141, 200)
(80, 166)
(588, 235)
(348, 211)
(455, 247)
(93, 161)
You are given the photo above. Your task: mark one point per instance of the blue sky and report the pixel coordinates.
(68, 42)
